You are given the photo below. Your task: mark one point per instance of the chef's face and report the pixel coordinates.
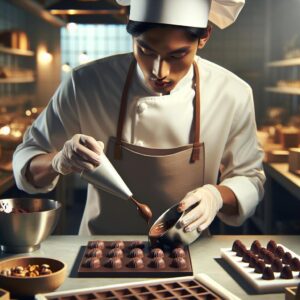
(165, 55)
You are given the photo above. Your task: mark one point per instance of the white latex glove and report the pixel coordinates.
(79, 153)
(207, 201)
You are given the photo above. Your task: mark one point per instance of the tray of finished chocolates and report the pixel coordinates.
(134, 259)
(267, 269)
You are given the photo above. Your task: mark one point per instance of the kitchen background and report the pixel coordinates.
(39, 46)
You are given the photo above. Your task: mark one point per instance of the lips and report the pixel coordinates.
(161, 84)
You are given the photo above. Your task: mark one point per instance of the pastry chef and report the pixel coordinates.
(178, 128)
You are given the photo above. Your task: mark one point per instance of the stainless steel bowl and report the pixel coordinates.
(23, 232)
(175, 234)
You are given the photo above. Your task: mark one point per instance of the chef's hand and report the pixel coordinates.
(79, 153)
(207, 201)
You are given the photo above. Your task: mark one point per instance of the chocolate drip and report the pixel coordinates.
(143, 209)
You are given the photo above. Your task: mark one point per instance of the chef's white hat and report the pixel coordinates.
(193, 13)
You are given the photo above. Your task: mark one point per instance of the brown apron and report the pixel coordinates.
(157, 177)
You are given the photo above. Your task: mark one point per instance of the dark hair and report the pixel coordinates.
(137, 28)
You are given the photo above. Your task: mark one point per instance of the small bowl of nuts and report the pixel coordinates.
(28, 276)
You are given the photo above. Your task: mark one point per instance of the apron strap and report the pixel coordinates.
(196, 145)
(122, 114)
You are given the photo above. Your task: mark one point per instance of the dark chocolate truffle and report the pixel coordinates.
(117, 244)
(253, 261)
(236, 244)
(137, 244)
(295, 264)
(268, 274)
(276, 265)
(179, 262)
(96, 244)
(115, 252)
(178, 252)
(136, 252)
(287, 258)
(279, 252)
(259, 266)
(271, 246)
(94, 252)
(158, 263)
(286, 273)
(262, 252)
(136, 263)
(246, 256)
(269, 257)
(255, 246)
(92, 262)
(157, 252)
(114, 263)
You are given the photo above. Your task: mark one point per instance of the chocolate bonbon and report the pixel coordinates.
(287, 258)
(268, 274)
(277, 265)
(286, 273)
(271, 246)
(135, 259)
(295, 264)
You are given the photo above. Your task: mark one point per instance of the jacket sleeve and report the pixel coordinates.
(55, 125)
(241, 169)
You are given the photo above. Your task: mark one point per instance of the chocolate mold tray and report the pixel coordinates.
(189, 288)
(133, 259)
(277, 284)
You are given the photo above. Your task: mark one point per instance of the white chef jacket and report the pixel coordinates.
(88, 102)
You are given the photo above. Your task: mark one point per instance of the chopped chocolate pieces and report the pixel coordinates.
(286, 273)
(276, 265)
(268, 274)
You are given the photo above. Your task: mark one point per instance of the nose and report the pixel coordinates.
(161, 68)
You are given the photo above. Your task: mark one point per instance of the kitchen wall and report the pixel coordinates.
(241, 48)
(42, 36)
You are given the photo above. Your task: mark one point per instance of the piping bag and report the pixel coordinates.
(106, 178)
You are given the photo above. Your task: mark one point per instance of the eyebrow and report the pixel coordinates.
(179, 50)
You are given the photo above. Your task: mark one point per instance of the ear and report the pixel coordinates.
(205, 38)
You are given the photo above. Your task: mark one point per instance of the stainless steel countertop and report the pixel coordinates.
(205, 254)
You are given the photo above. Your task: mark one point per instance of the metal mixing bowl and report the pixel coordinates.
(23, 232)
(175, 234)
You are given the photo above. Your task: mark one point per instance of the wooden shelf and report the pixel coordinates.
(285, 63)
(283, 90)
(17, 80)
(16, 51)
